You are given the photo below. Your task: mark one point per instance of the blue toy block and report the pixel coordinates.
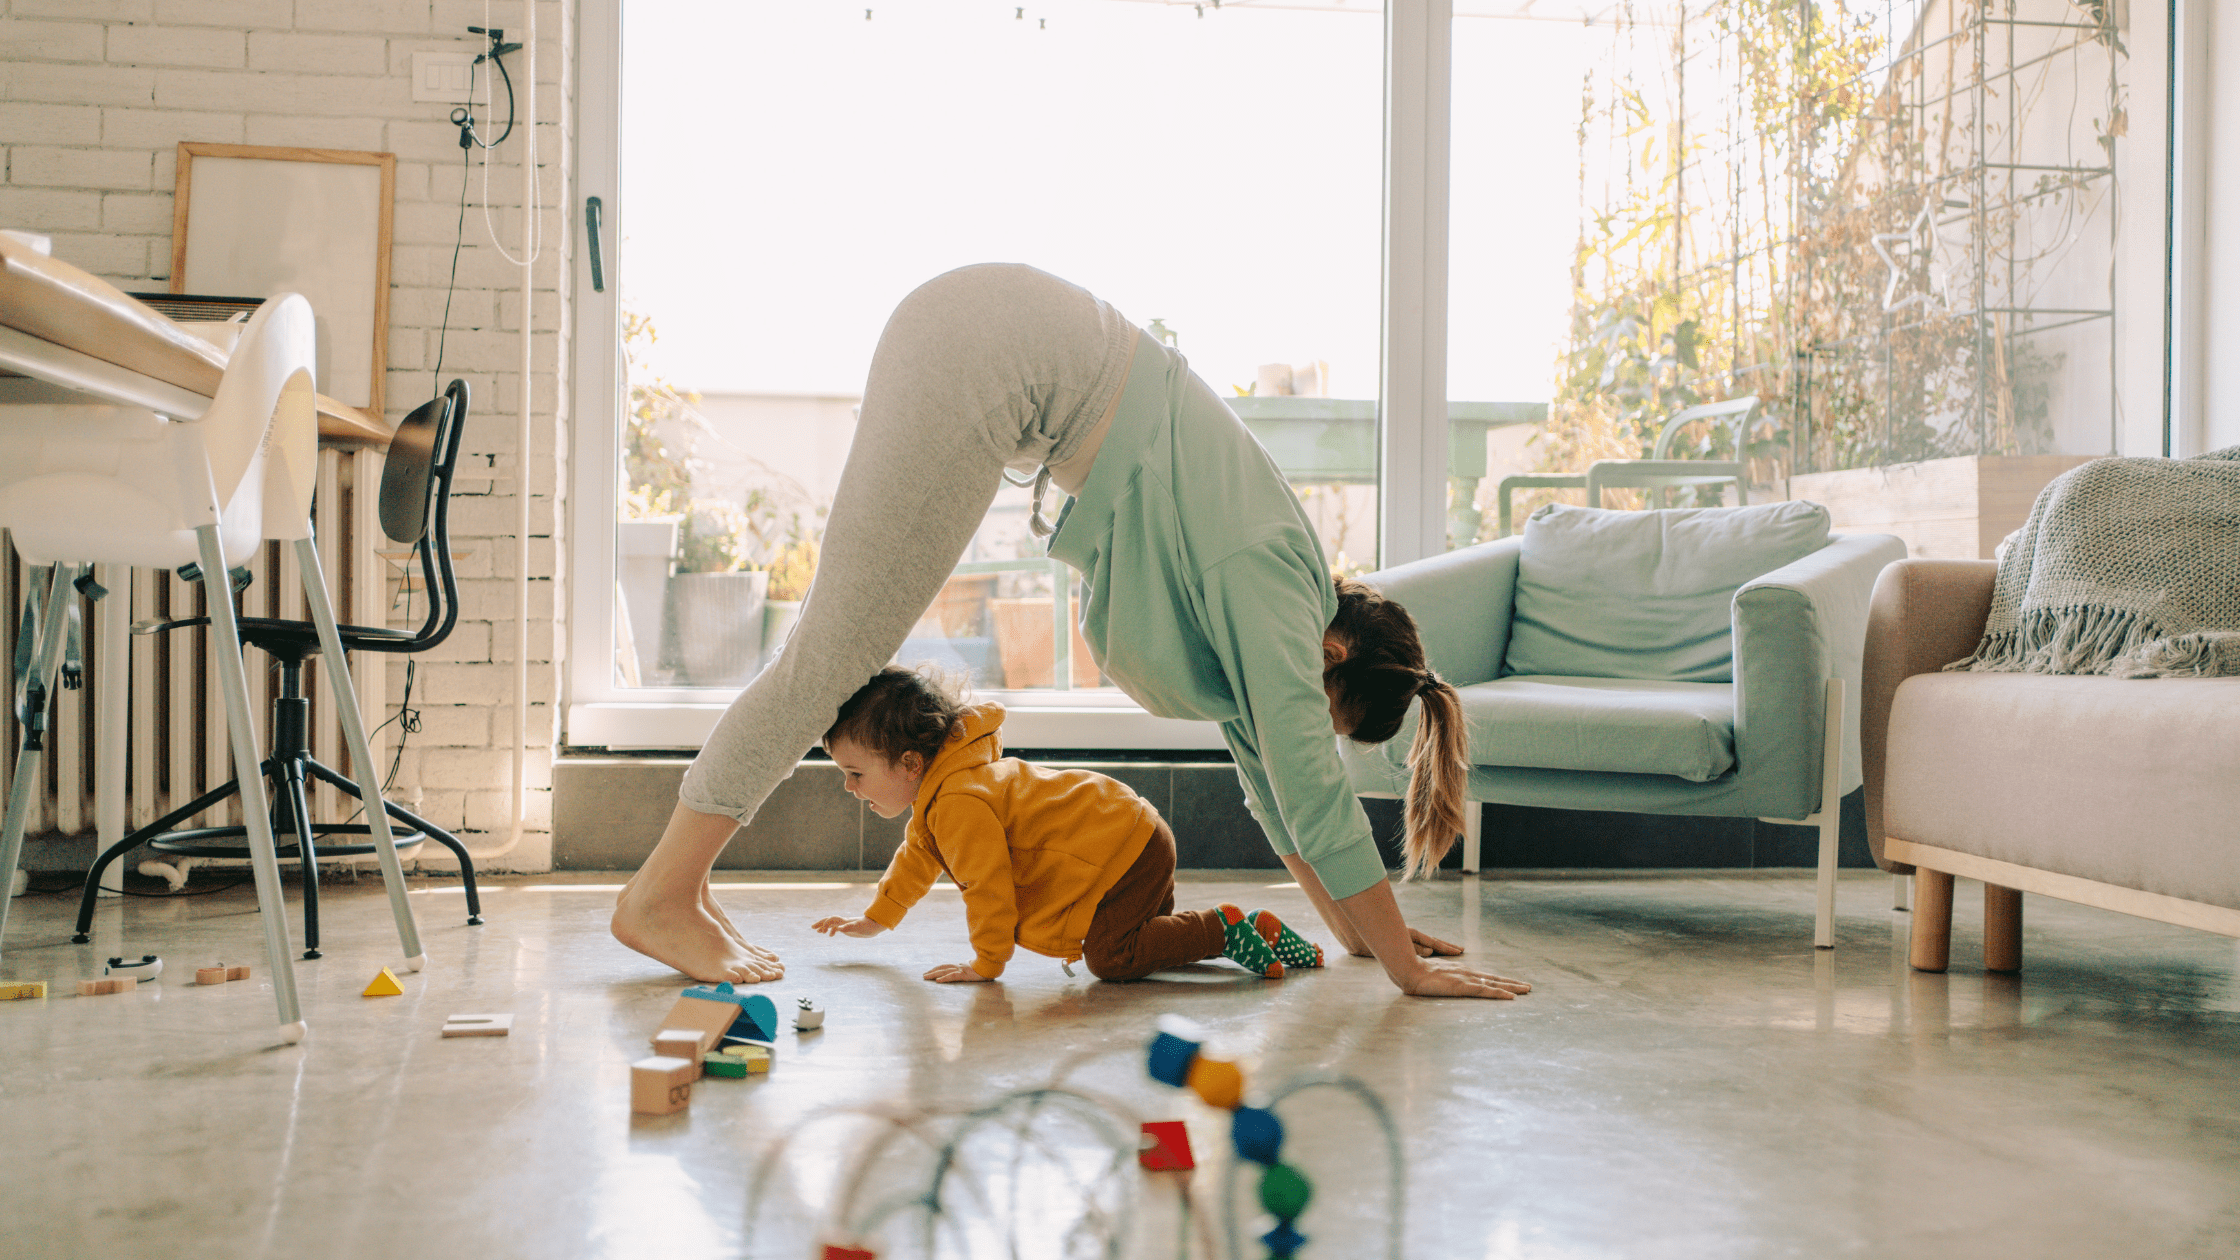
(1171, 1057)
(758, 1015)
(1283, 1240)
(1258, 1135)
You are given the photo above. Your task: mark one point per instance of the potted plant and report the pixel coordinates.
(791, 571)
(715, 599)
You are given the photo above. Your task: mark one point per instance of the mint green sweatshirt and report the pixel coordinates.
(1208, 596)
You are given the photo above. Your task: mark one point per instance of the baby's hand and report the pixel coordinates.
(841, 925)
(955, 973)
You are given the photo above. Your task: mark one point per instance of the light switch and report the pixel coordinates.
(442, 76)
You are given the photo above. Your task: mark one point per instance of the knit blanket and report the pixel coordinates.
(2126, 567)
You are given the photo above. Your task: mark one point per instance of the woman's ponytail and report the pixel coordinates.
(1438, 771)
(1383, 669)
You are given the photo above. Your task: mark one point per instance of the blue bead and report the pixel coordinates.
(1283, 1240)
(1171, 1057)
(1258, 1135)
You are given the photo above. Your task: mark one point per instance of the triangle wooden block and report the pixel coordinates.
(385, 985)
(709, 1019)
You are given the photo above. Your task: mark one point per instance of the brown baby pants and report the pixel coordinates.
(1136, 930)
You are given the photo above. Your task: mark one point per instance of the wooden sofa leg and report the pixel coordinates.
(1932, 920)
(1473, 821)
(2002, 928)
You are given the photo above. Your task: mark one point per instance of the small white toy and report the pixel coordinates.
(809, 1017)
(148, 968)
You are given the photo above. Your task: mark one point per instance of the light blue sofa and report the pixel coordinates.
(1749, 741)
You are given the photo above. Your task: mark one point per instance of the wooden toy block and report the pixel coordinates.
(757, 1056)
(661, 1085)
(679, 1043)
(242, 973)
(716, 1063)
(1166, 1147)
(478, 1025)
(95, 988)
(834, 1251)
(209, 975)
(20, 990)
(708, 1019)
(384, 985)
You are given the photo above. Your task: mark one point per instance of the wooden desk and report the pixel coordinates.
(57, 303)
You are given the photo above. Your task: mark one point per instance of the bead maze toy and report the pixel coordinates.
(1179, 1060)
(1078, 1164)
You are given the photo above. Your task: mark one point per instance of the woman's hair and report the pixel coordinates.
(899, 711)
(1384, 669)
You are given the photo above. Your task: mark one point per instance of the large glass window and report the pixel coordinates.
(1892, 225)
(1515, 190)
(789, 172)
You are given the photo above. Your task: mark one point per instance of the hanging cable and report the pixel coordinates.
(532, 243)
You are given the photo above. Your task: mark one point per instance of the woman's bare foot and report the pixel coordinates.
(715, 911)
(683, 934)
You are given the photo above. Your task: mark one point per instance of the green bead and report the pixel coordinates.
(1284, 1192)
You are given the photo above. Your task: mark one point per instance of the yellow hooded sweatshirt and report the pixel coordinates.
(1033, 849)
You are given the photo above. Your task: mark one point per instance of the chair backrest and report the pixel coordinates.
(416, 503)
(1738, 412)
(106, 483)
(266, 412)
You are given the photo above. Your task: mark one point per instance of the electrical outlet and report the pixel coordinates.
(443, 77)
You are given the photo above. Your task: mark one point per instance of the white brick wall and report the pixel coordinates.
(95, 97)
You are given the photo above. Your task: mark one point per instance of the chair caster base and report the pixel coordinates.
(310, 954)
(81, 939)
(474, 920)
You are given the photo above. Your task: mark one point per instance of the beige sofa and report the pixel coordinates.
(2117, 793)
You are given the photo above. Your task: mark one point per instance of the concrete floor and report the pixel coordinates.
(1690, 1079)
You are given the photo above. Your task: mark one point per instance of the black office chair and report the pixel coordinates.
(416, 509)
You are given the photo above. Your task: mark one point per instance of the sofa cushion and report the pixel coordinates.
(1624, 725)
(1646, 594)
(2133, 782)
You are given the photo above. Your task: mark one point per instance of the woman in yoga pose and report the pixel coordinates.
(1209, 599)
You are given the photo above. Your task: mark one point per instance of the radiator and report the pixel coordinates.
(153, 699)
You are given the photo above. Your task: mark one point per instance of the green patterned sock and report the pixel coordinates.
(1242, 944)
(1295, 950)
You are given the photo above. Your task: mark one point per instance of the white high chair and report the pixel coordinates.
(84, 480)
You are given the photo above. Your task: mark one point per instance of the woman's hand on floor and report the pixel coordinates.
(1429, 946)
(1452, 980)
(956, 973)
(842, 925)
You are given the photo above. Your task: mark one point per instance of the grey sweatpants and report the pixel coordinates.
(978, 369)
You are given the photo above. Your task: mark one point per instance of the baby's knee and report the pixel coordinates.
(1112, 962)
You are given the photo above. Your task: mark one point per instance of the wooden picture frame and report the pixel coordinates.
(254, 220)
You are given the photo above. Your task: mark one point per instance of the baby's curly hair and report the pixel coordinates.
(899, 711)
